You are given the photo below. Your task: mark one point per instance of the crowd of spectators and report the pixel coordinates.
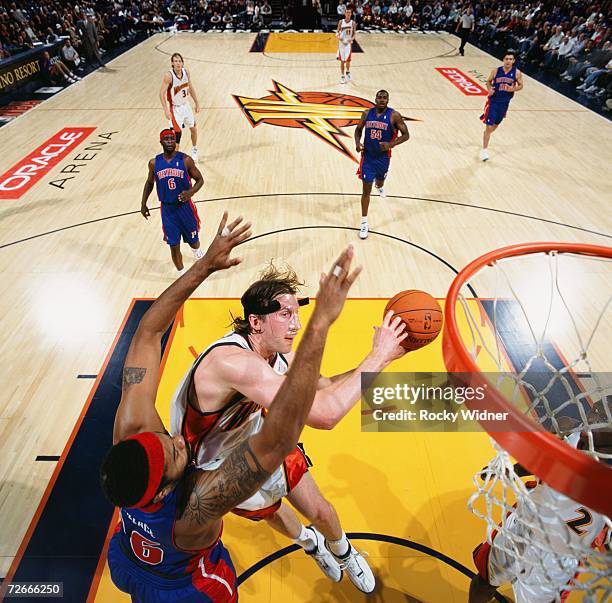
(566, 40)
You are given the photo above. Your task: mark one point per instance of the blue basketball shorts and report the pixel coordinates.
(373, 168)
(180, 221)
(494, 113)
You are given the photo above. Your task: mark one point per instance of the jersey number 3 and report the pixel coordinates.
(147, 551)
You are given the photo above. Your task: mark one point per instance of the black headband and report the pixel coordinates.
(271, 307)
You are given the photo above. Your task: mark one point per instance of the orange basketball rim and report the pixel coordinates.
(562, 467)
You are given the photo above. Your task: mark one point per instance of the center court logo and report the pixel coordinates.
(465, 83)
(324, 114)
(27, 172)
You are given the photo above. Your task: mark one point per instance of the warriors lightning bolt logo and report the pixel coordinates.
(322, 113)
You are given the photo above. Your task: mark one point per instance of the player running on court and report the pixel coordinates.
(345, 33)
(174, 96)
(381, 124)
(502, 83)
(171, 172)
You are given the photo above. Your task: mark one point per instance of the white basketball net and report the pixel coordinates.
(543, 539)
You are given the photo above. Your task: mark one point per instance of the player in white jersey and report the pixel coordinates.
(222, 400)
(346, 36)
(537, 574)
(174, 95)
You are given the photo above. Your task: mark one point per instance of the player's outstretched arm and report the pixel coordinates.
(148, 188)
(253, 377)
(137, 410)
(387, 340)
(214, 493)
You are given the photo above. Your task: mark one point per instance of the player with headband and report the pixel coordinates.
(167, 546)
(221, 402)
(171, 172)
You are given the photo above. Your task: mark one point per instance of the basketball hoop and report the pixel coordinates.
(527, 283)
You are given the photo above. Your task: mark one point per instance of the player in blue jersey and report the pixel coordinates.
(166, 548)
(171, 172)
(381, 124)
(502, 83)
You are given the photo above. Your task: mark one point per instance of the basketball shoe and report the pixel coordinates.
(342, 79)
(325, 560)
(348, 76)
(484, 154)
(194, 154)
(357, 569)
(363, 231)
(381, 191)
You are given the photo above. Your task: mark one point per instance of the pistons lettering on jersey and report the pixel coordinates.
(170, 173)
(504, 83)
(380, 125)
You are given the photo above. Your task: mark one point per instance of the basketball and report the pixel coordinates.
(421, 314)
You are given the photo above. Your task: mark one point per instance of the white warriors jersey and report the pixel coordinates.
(178, 90)
(553, 522)
(347, 30)
(214, 435)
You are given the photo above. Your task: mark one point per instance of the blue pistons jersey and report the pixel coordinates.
(502, 85)
(497, 104)
(378, 128)
(375, 162)
(171, 177)
(145, 562)
(180, 220)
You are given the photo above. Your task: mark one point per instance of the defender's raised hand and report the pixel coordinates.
(334, 287)
(217, 256)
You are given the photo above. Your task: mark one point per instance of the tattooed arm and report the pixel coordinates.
(137, 412)
(211, 494)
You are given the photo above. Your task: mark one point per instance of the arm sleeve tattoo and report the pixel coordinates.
(211, 494)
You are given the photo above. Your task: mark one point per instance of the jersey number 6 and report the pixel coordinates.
(171, 184)
(147, 551)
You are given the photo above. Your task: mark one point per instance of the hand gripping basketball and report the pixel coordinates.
(421, 314)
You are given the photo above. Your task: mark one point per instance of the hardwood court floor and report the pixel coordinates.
(73, 258)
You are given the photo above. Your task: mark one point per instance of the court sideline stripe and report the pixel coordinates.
(35, 557)
(115, 518)
(26, 540)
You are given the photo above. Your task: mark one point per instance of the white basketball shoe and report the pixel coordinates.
(325, 560)
(358, 570)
